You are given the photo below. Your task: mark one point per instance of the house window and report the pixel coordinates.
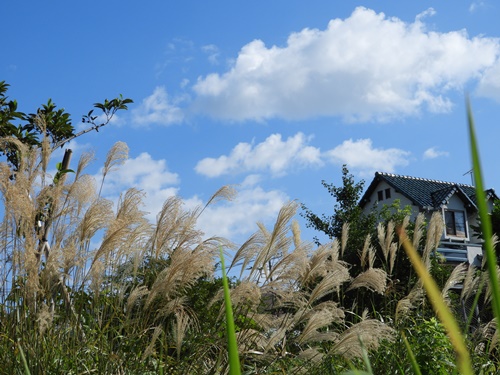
(380, 195)
(387, 193)
(455, 223)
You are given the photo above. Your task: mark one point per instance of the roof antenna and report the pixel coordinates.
(471, 176)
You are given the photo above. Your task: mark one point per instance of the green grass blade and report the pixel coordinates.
(234, 359)
(23, 360)
(445, 315)
(413, 360)
(491, 259)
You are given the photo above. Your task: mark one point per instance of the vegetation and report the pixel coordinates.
(106, 291)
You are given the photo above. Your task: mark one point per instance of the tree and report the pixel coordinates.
(47, 123)
(346, 210)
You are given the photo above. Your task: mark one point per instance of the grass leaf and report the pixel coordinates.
(491, 259)
(445, 315)
(234, 359)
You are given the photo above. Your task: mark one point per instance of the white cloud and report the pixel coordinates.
(361, 156)
(475, 5)
(237, 219)
(213, 53)
(366, 67)
(158, 109)
(273, 154)
(489, 85)
(433, 152)
(146, 174)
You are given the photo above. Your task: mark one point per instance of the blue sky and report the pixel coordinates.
(270, 96)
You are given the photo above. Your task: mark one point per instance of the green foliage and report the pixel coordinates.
(394, 212)
(48, 122)
(429, 347)
(345, 210)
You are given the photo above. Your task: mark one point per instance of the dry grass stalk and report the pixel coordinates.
(116, 156)
(419, 230)
(317, 320)
(365, 252)
(389, 248)
(393, 251)
(175, 229)
(369, 333)
(45, 317)
(275, 242)
(345, 236)
(157, 331)
(179, 329)
(126, 232)
(290, 268)
(185, 268)
(471, 283)
(297, 242)
(374, 279)
(456, 277)
(434, 233)
(409, 303)
(329, 284)
(319, 263)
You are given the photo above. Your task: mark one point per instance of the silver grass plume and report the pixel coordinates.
(413, 300)
(471, 282)
(434, 234)
(367, 333)
(456, 277)
(373, 279)
(274, 242)
(345, 236)
(418, 231)
(366, 253)
(116, 156)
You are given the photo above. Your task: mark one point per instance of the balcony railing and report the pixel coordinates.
(455, 253)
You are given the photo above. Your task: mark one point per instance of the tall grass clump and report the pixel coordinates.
(92, 286)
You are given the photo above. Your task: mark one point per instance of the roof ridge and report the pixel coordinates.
(422, 179)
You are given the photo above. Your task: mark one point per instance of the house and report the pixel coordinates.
(455, 201)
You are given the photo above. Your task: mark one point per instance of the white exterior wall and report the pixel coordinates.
(382, 186)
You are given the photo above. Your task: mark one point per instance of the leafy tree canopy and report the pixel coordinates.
(345, 210)
(48, 122)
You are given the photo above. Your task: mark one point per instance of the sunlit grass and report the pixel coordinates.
(234, 359)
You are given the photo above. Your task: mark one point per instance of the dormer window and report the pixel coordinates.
(455, 223)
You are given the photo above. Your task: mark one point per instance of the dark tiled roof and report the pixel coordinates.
(425, 193)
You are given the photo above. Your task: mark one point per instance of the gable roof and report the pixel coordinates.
(425, 193)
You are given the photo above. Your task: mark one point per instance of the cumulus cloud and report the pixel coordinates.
(146, 174)
(274, 154)
(433, 152)
(489, 84)
(366, 67)
(157, 109)
(360, 155)
(238, 219)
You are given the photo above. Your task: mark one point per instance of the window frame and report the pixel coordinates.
(454, 216)
(380, 195)
(388, 193)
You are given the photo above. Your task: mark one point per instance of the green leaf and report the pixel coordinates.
(234, 359)
(488, 246)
